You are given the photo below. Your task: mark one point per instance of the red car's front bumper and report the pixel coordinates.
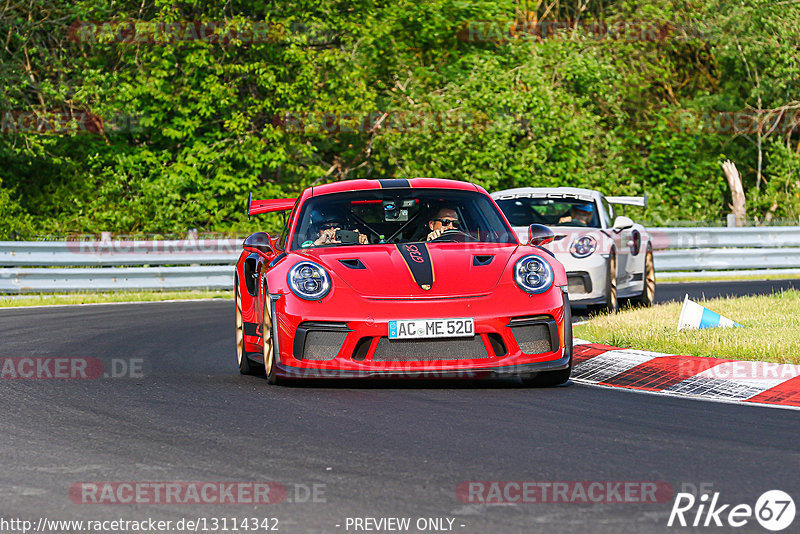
(348, 339)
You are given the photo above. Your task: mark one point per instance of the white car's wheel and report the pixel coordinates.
(611, 305)
(648, 295)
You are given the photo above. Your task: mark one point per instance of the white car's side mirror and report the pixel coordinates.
(623, 223)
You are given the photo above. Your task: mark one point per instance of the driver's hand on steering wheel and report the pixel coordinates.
(436, 233)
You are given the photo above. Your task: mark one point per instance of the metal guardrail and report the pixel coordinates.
(109, 265)
(750, 273)
(115, 279)
(117, 265)
(746, 237)
(710, 259)
(127, 252)
(726, 250)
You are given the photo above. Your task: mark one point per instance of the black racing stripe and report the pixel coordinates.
(419, 263)
(397, 182)
(252, 329)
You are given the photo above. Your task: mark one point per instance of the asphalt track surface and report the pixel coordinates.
(386, 449)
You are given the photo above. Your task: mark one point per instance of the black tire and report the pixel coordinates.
(246, 365)
(648, 295)
(611, 304)
(555, 378)
(267, 345)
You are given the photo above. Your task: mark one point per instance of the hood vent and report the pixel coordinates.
(353, 263)
(481, 260)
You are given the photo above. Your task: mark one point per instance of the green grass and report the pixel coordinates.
(94, 298)
(771, 329)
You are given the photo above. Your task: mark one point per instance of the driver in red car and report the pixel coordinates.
(446, 219)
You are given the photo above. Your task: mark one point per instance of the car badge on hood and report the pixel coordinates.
(418, 260)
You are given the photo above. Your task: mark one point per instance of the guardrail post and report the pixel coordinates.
(731, 220)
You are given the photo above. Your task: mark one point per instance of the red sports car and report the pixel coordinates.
(400, 278)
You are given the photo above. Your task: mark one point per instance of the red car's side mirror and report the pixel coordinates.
(259, 242)
(539, 235)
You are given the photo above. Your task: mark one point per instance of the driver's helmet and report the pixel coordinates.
(329, 222)
(586, 208)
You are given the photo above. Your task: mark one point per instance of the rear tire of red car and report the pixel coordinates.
(267, 345)
(556, 378)
(246, 366)
(648, 295)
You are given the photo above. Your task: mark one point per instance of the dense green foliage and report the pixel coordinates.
(180, 128)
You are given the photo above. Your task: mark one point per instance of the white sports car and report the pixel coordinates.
(606, 258)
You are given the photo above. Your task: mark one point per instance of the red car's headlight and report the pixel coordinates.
(309, 281)
(533, 275)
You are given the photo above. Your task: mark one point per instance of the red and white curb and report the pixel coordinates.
(770, 384)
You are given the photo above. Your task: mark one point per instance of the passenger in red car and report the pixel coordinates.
(327, 234)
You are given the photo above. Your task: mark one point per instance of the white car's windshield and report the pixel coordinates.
(399, 216)
(550, 212)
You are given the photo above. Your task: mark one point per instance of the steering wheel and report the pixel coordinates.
(455, 236)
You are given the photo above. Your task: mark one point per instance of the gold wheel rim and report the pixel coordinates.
(613, 288)
(239, 326)
(650, 277)
(266, 332)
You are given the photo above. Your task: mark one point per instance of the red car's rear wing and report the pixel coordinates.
(254, 207)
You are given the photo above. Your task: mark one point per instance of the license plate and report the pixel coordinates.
(422, 328)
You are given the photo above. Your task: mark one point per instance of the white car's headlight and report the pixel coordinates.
(533, 274)
(309, 280)
(583, 246)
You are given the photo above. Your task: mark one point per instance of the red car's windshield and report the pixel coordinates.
(399, 216)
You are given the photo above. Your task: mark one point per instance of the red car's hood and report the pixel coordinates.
(458, 269)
